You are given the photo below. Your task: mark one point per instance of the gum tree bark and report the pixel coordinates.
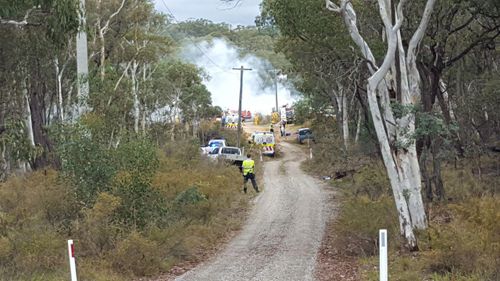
(135, 94)
(397, 148)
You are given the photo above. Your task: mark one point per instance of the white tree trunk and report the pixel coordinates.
(59, 75)
(345, 120)
(101, 32)
(82, 64)
(28, 121)
(342, 113)
(143, 121)
(412, 97)
(350, 19)
(401, 162)
(444, 90)
(102, 60)
(358, 125)
(135, 95)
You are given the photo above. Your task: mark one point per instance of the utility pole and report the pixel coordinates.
(276, 88)
(241, 69)
(82, 66)
(275, 72)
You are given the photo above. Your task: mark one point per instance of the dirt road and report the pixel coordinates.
(284, 230)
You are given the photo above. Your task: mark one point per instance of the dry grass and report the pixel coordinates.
(461, 244)
(38, 213)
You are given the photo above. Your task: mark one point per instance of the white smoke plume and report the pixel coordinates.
(217, 58)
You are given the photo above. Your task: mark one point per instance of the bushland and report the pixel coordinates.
(462, 241)
(133, 209)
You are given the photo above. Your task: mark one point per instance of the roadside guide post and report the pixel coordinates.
(310, 148)
(72, 263)
(311, 153)
(383, 254)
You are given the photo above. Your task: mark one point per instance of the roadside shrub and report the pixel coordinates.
(40, 197)
(137, 162)
(85, 162)
(180, 154)
(462, 184)
(137, 255)
(99, 230)
(371, 181)
(141, 206)
(470, 243)
(38, 250)
(359, 222)
(139, 158)
(189, 196)
(132, 210)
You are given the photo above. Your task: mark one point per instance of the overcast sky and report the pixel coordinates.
(224, 82)
(214, 10)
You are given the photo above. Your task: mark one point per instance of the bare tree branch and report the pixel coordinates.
(333, 7)
(104, 29)
(18, 23)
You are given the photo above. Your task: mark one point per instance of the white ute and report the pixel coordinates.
(213, 143)
(227, 153)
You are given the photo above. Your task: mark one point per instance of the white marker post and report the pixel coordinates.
(382, 236)
(311, 153)
(261, 156)
(72, 262)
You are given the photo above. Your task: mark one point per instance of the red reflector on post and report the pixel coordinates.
(72, 250)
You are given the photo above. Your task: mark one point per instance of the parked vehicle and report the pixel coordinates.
(287, 114)
(213, 143)
(266, 141)
(246, 115)
(227, 153)
(304, 134)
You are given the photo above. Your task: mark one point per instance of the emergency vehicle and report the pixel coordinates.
(266, 141)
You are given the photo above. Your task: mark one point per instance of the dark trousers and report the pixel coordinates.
(251, 177)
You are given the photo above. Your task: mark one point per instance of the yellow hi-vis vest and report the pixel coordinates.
(248, 166)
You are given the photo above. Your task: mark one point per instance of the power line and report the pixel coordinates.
(193, 41)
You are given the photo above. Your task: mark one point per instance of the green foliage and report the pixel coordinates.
(199, 28)
(87, 163)
(401, 110)
(146, 219)
(15, 143)
(190, 196)
(432, 125)
(303, 110)
(139, 158)
(59, 18)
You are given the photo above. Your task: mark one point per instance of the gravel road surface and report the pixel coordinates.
(283, 233)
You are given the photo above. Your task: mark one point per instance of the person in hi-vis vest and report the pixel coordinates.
(248, 168)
